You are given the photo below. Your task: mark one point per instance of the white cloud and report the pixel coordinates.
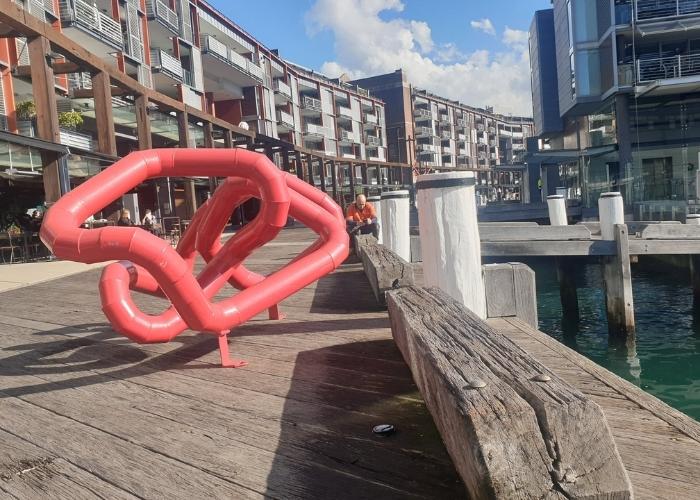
(515, 38)
(484, 25)
(366, 43)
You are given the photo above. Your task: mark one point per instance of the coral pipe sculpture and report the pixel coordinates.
(149, 264)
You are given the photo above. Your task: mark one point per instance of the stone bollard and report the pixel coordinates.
(396, 228)
(556, 204)
(375, 201)
(565, 269)
(617, 274)
(449, 236)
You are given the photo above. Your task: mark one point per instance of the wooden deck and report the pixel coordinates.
(88, 414)
(659, 446)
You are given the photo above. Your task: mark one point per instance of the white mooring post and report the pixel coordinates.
(565, 270)
(375, 201)
(694, 220)
(396, 234)
(556, 204)
(617, 274)
(449, 237)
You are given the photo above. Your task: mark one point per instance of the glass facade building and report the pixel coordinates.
(628, 91)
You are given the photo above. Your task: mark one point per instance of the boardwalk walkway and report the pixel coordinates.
(88, 414)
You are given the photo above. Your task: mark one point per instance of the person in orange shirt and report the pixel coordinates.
(362, 218)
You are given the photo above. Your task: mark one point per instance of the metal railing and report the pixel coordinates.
(371, 119)
(423, 113)
(282, 88)
(311, 103)
(445, 134)
(668, 67)
(461, 122)
(318, 130)
(94, 21)
(221, 51)
(372, 140)
(284, 118)
(658, 9)
(74, 139)
(211, 45)
(157, 9)
(275, 65)
(346, 135)
(164, 62)
(424, 132)
(444, 118)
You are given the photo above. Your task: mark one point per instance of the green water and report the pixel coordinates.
(667, 361)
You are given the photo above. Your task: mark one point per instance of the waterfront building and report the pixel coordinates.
(435, 133)
(107, 78)
(616, 98)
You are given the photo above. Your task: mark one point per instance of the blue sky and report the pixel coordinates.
(443, 45)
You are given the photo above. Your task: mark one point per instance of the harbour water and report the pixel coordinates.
(667, 361)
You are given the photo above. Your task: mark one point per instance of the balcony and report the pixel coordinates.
(346, 136)
(421, 114)
(344, 113)
(445, 135)
(373, 141)
(315, 130)
(659, 10)
(165, 68)
(663, 68)
(444, 119)
(428, 147)
(461, 122)
(424, 132)
(463, 161)
(371, 119)
(157, 10)
(311, 104)
(74, 139)
(461, 152)
(285, 120)
(282, 90)
(86, 25)
(227, 72)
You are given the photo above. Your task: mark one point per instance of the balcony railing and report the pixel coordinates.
(346, 136)
(285, 119)
(424, 131)
(311, 103)
(211, 45)
(74, 139)
(461, 122)
(444, 118)
(423, 113)
(445, 134)
(159, 10)
(660, 9)
(165, 63)
(282, 88)
(92, 20)
(318, 130)
(221, 51)
(371, 119)
(668, 67)
(373, 141)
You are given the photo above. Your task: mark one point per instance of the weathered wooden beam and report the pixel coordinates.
(334, 181)
(384, 269)
(512, 427)
(102, 88)
(568, 295)
(59, 68)
(46, 113)
(510, 292)
(671, 232)
(546, 248)
(617, 277)
(534, 233)
(143, 123)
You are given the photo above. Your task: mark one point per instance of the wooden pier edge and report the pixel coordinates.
(512, 427)
(384, 269)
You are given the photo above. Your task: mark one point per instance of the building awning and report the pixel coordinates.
(568, 155)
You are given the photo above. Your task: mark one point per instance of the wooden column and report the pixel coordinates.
(46, 113)
(143, 123)
(365, 179)
(351, 173)
(285, 161)
(322, 173)
(694, 220)
(334, 180)
(184, 137)
(617, 274)
(102, 96)
(209, 143)
(228, 139)
(300, 165)
(556, 205)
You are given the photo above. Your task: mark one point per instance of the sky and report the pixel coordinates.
(469, 50)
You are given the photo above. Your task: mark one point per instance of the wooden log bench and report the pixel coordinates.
(384, 269)
(511, 426)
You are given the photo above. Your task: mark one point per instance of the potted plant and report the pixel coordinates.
(70, 120)
(26, 113)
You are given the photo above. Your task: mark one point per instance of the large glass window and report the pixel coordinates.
(588, 73)
(591, 19)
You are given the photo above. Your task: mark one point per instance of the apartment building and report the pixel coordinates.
(207, 82)
(435, 133)
(625, 108)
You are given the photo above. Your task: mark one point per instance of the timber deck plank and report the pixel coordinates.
(118, 420)
(659, 445)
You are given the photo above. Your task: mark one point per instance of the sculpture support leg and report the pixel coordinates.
(274, 312)
(226, 361)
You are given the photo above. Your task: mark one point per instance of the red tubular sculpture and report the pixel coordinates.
(149, 264)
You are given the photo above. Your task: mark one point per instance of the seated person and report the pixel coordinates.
(149, 222)
(125, 218)
(362, 218)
